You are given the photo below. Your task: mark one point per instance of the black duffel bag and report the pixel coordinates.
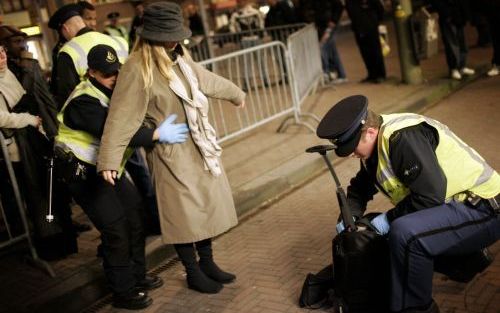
(361, 268)
(316, 289)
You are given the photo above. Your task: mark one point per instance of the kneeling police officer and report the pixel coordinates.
(445, 195)
(115, 209)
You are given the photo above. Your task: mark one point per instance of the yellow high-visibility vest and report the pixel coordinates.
(464, 169)
(82, 144)
(78, 48)
(117, 31)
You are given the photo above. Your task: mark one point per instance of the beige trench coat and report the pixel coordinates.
(193, 204)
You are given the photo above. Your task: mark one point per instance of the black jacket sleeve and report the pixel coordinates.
(337, 9)
(361, 190)
(87, 114)
(67, 78)
(413, 158)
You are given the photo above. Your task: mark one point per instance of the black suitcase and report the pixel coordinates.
(360, 259)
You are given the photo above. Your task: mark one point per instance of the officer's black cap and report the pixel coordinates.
(113, 15)
(63, 14)
(342, 124)
(104, 59)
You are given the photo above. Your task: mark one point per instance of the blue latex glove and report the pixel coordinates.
(172, 133)
(381, 224)
(340, 226)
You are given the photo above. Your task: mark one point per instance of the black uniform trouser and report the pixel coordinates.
(371, 52)
(416, 239)
(455, 47)
(116, 213)
(494, 22)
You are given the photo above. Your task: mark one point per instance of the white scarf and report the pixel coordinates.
(203, 133)
(10, 88)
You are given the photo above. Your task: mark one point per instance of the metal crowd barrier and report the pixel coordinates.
(263, 71)
(8, 238)
(202, 48)
(307, 72)
(305, 59)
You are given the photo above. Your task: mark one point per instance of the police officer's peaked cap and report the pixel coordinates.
(63, 14)
(113, 15)
(342, 124)
(104, 59)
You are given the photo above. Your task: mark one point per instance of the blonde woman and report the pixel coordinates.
(194, 197)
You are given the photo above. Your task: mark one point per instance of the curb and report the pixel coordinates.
(81, 291)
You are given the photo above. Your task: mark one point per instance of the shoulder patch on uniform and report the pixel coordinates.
(411, 172)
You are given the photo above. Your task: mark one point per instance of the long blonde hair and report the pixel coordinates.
(153, 55)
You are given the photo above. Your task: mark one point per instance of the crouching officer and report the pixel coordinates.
(445, 195)
(115, 209)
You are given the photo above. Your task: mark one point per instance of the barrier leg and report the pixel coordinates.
(34, 259)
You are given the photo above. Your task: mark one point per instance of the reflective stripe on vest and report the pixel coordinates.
(79, 47)
(83, 145)
(464, 168)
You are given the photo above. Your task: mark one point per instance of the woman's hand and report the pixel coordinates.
(241, 105)
(38, 122)
(109, 176)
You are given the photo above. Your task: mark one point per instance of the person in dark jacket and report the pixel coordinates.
(327, 15)
(58, 239)
(88, 13)
(491, 9)
(281, 12)
(115, 209)
(453, 15)
(136, 22)
(365, 16)
(439, 211)
(70, 63)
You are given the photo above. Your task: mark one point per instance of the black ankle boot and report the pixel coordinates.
(196, 278)
(208, 265)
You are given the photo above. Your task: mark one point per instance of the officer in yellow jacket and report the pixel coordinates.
(71, 65)
(115, 210)
(115, 29)
(445, 195)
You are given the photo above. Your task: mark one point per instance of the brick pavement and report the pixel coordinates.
(272, 251)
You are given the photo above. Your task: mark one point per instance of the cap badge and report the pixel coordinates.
(110, 58)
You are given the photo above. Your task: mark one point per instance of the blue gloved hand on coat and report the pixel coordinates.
(172, 133)
(381, 223)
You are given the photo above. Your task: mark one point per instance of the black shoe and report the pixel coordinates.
(213, 271)
(149, 282)
(81, 227)
(132, 301)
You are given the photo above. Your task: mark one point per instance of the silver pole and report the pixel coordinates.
(204, 19)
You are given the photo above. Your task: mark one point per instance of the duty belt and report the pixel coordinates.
(495, 203)
(474, 200)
